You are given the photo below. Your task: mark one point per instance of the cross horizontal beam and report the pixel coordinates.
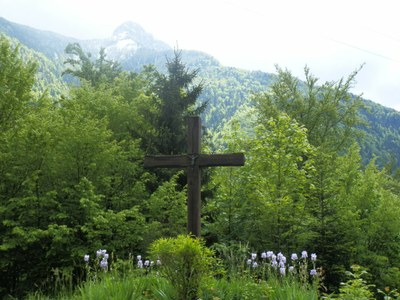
(193, 161)
(201, 160)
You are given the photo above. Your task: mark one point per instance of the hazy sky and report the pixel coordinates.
(333, 38)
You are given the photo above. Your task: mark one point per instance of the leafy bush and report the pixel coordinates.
(356, 287)
(186, 261)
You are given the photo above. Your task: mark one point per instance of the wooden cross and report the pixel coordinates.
(194, 161)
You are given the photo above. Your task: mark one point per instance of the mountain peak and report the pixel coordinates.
(131, 29)
(132, 33)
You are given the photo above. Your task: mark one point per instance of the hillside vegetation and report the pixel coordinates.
(226, 89)
(72, 179)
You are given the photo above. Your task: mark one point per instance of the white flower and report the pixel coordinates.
(158, 262)
(269, 254)
(294, 256)
(98, 253)
(281, 264)
(101, 252)
(273, 258)
(313, 256)
(86, 257)
(146, 263)
(253, 256)
(304, 254)
(139, 257)
(279, 256)
(263, 255)
(103, 263)
(255, 264)
(151, 263)
(282, 270)
(140, 264)
(291, 269)
(106, 255)
(249, 262)
(274, 264)
(283, 259)
(313, 272)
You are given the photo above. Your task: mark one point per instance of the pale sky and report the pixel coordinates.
(333, 38)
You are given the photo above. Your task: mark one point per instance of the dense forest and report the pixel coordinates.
(225, 89)
(72, 181)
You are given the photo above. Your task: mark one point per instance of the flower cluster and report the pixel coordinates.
(147, 263)
(252, 261)
(279, 262)
(102, 255)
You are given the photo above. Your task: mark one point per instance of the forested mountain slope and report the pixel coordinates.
(382, 135)
(225, 88)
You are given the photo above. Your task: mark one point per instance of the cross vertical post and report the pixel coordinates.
(194, 176)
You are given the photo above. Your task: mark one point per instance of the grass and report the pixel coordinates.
(235, 289)
(158, 288)
(115, 287)
(150, 287)
(288, 289)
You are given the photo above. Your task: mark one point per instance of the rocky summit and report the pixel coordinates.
(128, 38)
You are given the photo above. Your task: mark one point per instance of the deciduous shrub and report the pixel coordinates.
(185, 261)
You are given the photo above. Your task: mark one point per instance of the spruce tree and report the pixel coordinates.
(178, 93)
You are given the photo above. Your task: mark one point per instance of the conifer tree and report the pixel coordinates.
(178, 93)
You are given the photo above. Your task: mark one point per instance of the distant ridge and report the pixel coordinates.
(129, 37)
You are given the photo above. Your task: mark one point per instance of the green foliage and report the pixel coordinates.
(82, 67)
(335, 203)
(389, 294)
(178, 96)
(134, 286)
(16, 82)
(71, 177)
(186, 262)
(233, 255)
(237, 288)
(47, 78)
(355, 287)
(226, 89)
(259, 202)
(288, 288)
(167, 211)
(66, 184)
(381, 136)
(130, 287)
(329, 112)
(292, 194)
